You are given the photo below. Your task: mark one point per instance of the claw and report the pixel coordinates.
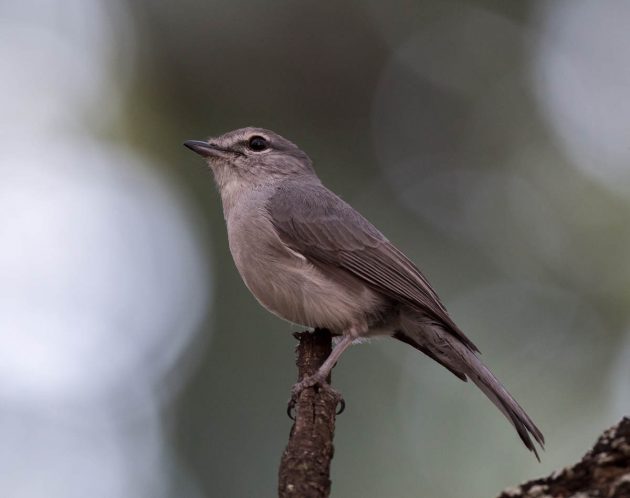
(342, 405)
(290, 407)
(312, 381)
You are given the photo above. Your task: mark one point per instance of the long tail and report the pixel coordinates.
(446, 349)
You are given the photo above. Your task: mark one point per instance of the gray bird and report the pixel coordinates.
(311, 259)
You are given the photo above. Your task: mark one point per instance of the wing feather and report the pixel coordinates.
(315, 222)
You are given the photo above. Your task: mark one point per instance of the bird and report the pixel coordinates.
(310, 258)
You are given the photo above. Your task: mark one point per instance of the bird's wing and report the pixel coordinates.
(313, 221)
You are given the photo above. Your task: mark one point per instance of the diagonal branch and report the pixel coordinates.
(305, 465)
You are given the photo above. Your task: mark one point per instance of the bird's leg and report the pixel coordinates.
(319, 377)
(322, 373)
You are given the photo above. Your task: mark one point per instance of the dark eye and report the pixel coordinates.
(258, 143)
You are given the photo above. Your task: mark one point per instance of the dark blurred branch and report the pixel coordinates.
(305, 466)
(603, 472)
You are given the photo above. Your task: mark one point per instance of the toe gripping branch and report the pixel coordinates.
(320, 386)
(313, 349)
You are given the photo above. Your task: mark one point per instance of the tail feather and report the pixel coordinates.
(494, 390)
(444, 348)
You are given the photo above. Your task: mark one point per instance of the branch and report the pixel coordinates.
(305, 465)
(604, 471)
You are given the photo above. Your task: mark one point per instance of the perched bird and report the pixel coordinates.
(311, 259)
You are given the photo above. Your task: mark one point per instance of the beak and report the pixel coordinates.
(204, 149)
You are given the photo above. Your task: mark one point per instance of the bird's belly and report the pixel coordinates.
(301, 293)
(291, 287)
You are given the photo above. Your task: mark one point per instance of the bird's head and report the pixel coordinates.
(251, 156)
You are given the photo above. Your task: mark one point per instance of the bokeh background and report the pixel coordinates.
(488, 139)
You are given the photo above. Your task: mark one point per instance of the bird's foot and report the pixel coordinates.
(316, 380)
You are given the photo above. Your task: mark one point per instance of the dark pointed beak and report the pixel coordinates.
(202, 148)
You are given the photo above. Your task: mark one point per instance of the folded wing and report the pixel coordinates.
(318, 224)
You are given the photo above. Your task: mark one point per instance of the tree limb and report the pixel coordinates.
(603, 472)
(305, 465)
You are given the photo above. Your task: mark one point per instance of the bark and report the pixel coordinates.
(604, 472)
(305, 465)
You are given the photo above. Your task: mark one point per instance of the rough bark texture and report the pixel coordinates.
(305, 466)
(604, 472)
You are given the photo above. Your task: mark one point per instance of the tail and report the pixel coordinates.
(446, 349)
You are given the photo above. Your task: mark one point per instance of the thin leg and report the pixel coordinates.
(333, 357)
(319, 377)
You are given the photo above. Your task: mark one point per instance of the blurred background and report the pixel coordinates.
(487, 139)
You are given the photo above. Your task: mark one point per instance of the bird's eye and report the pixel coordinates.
(258, 143)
